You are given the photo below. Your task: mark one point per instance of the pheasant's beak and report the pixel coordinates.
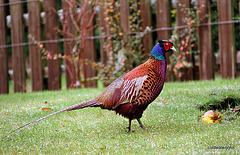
(173, 48)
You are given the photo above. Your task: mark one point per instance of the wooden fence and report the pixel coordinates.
(206, 63)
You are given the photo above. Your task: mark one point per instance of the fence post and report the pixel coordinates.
(89, 50)
(103, 32)
(3, 51)
(205, 41)
(18, 51)
(124, 16)
(226, 39)
(68, 31)
(163, 21)
(146, 22)
(34, 29)
(54, 80)
(182, 5)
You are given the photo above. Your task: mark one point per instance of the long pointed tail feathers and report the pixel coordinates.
(89, 103)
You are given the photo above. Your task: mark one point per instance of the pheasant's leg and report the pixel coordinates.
(129, 126)
(141, 125)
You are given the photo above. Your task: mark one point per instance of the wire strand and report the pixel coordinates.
(104, 36)
(20, 2)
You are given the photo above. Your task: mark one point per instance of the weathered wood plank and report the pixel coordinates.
(68, 32)
(227, 50)
(205, 41)
(34, 29)
(89, 50)
(146, 22)
(4, 88)
(103, 32)
(163, 21)
(124, 16)
(181, 16)
(54, 80)
(18, 56)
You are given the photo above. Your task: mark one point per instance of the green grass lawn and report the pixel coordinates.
(171, 120)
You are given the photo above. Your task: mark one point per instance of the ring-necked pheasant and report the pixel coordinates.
(130, 94)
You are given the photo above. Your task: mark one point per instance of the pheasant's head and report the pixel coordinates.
(159, 50)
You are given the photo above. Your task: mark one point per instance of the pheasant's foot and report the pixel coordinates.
(128, 129)
(129, 126)
(140, 123)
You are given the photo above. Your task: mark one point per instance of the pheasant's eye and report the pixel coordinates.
(170, 45)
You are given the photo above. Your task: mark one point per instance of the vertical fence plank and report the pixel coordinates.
(17, 51)
(3, 51)
(89, 50)
(35, 53)
(124, 16)
(54, 80)
(146, 22)
(103, 32)
(226, 39)
(68, 31)
(163, 21)
(205, 41)
(181, 16)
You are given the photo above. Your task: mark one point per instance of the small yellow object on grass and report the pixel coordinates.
(210, 118)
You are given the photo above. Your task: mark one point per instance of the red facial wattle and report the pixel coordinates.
(167, 46)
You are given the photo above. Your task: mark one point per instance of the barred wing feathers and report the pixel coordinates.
(132, 84)
(131, 89)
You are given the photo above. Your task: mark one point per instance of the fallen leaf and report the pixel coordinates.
(101, 148)
(47, 109)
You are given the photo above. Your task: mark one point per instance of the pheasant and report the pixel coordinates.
(130, 94)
